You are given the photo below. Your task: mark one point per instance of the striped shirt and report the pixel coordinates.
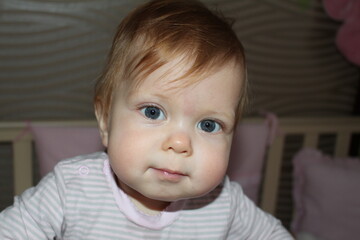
(78, 201)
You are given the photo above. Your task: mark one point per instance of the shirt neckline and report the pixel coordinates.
(127, 207)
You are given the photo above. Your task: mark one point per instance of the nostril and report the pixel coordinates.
(187, 153)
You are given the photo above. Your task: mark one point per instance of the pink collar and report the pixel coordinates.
(157, 222)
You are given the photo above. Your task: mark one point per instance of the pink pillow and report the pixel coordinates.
(348, 35)
(248, 152)
(327, 195)
(53, 144)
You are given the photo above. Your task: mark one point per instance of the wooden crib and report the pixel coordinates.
(276, 187)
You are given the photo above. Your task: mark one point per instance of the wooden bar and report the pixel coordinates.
(311, 140)
(272, 176)
(23, 171)
(342, 144)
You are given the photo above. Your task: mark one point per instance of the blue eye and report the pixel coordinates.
(209, 126)
(153, 113)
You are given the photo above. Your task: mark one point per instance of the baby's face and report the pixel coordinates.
(167, 142)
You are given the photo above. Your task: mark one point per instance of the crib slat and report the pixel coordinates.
(23, 174)
(342, 144)
(272, 175)
(310, 140)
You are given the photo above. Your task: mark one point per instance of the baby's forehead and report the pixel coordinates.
(177, 75)
(174, 80)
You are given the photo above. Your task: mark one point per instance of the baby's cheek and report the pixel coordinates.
(213, 171)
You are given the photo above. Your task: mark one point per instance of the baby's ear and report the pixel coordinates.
(102, 122)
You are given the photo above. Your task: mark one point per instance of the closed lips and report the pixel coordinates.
(170, 172)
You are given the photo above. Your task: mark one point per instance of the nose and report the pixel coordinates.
(179, 142)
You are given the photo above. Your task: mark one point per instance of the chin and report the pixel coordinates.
(177, 197)
(167, 198)
(173, 195)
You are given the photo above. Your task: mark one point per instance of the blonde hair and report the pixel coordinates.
(160, 31)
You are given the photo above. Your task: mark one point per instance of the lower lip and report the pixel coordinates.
(169, 176)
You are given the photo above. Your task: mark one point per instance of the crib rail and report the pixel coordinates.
(18, 133)
(22, 155)
(310, 129)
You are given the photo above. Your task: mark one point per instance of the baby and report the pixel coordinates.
(167, 105)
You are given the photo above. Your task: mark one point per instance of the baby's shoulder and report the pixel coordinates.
(83, 165)
(233, 189)
(233, 193)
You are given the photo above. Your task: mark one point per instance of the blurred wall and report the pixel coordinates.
(52, 51)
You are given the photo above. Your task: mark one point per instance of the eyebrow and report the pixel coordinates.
(159, 96)
(229, 117)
